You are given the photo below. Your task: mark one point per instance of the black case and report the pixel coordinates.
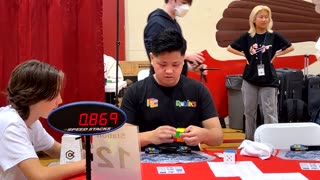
(311, 91)
(290, 87)
(312, 85)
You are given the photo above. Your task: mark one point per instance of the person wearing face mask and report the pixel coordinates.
(165, 17)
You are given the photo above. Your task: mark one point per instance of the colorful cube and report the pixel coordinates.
(177, 137)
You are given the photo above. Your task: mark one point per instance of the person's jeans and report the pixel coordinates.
(251, 95)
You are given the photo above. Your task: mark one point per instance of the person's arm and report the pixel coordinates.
(286, 51)
(163, 134)
(194, 59)
(214, 136)
(283, 52)
(54, 151)
(195, 62)
(34, 170)
(211, 134)
(234, 51)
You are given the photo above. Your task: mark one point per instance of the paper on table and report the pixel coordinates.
(276, 176)
(240, 168)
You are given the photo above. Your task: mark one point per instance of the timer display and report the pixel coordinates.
(87, 118)
(97, 119)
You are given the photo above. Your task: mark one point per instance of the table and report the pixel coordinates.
(202, 170)
(110, 89)
(111, 86)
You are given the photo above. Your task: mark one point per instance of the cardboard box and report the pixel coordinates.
(131, 68)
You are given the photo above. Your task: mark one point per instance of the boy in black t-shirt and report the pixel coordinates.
(168, 100)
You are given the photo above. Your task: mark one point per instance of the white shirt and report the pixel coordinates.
(18, 142)
(110, 69)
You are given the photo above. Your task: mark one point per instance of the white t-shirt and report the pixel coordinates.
(18, 142)
(110, 69)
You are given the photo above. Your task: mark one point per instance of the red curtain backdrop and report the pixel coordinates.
(64, 33)
(110, 28)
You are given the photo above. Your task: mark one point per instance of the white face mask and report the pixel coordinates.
(182, 10)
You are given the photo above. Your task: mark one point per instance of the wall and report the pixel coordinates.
(199, 28)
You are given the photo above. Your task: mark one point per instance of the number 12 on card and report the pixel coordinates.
(116, 155)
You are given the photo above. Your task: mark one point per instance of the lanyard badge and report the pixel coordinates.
(261, 70)
(261, 49)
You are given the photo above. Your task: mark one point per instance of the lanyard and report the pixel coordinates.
(261, 49)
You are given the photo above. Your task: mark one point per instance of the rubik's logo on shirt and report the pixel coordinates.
(152, 102)
(186, 103)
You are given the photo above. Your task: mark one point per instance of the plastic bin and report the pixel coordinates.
(235, 101)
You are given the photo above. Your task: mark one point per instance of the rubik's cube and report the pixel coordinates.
(229, 156)
(177, 137)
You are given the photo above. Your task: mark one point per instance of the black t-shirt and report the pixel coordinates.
(272, 42)
(149, 105)
(158, 21)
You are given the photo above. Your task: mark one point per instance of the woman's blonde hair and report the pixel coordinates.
(253, 15)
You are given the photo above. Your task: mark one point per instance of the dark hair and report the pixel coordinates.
(31, 82)
(188, 1)
(168, 40)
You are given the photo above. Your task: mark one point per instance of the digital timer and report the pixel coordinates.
(87, 118)
(97, 119)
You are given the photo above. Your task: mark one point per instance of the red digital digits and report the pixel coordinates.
(97, 119)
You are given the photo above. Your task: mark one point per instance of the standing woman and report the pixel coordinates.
(33, 91)
(260, 46)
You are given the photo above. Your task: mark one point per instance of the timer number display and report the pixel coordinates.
(97, 119)
(87, 118)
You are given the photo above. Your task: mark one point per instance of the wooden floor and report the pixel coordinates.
(232, 139)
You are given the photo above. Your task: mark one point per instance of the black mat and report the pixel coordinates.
(299, 155)
(176, 158)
